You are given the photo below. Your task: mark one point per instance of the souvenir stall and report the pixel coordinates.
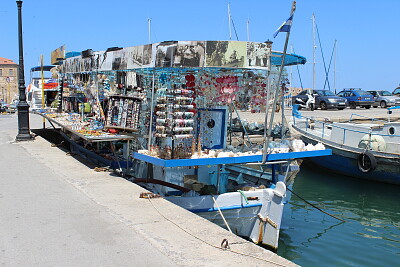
(175, 100)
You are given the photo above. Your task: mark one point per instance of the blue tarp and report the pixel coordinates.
(290, 59)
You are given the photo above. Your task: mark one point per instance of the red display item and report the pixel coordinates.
(113, 131)
(50, 85)
(190, 77)
(190, 84)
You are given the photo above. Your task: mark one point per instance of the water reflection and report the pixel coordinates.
(371, 235)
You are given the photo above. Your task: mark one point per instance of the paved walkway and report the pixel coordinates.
(56, 211)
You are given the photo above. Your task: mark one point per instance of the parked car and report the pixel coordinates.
(397, 91)
(357, 98)
(9, 108)
(324, 99)
(384, 98)
(2, 108)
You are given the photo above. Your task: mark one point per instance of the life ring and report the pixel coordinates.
(366, 162)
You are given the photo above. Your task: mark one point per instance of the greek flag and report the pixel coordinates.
(285, 27)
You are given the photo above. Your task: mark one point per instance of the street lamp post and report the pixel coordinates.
(22, 106)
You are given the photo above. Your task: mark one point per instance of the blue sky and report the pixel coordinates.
(367, 31)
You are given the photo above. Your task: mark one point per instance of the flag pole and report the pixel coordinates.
(269, 130)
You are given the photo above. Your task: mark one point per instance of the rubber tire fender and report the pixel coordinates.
(366, 162)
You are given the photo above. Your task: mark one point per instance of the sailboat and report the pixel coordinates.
(368, 151)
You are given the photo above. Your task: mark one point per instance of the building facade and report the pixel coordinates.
(8, 80)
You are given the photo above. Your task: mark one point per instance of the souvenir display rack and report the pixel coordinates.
(175, 119)
(123, 112)
(165, 91)
(76, 127)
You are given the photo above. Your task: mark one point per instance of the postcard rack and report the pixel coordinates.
(175, 122)
(123, 112)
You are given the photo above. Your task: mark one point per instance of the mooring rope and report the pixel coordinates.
(226, 247)
(314, 206)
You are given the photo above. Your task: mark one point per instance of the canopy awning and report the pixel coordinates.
(290, 59)
(45, 68)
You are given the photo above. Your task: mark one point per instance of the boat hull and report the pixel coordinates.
(255, 215)
(344, 161)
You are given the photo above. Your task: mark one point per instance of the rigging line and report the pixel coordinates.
(323, 57)
(298, 72)
(330, 63)
(312, 205)
(205, 242)
(234, 28)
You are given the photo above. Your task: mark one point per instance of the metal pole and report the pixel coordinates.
(149, 28)
(42, 79)
(264, 158)
(229, 22)
(151, 113)
(314, 48)
(334, 68)
(22, 106)
(283, 87)
(248, 30)
(269, 43)
(43, 100)
(9, 92)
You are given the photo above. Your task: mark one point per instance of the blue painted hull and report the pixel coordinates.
(344, 161)
(349, 167)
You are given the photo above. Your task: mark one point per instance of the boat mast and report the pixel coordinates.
(248, 30)
(149, 28)
(229, 21)
(278, 89)
(334, 67)
(314, 50)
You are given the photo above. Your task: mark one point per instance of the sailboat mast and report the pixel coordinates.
(149, 28)
(334, 67)
(248, 30)
(278, 87)
(314, 50)
(229, 21)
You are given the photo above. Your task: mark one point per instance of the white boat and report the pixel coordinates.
(34, 89)
(246, 201)
(252, 214)
(364, 150)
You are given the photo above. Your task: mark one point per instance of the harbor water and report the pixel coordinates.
(369, 237)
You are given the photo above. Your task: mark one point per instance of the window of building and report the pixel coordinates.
(1, 72)
(11, 72)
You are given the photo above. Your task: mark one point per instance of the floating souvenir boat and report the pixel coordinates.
(175, 100)
(363, 150)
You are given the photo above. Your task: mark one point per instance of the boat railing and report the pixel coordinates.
(348, 136)
(369, 118)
